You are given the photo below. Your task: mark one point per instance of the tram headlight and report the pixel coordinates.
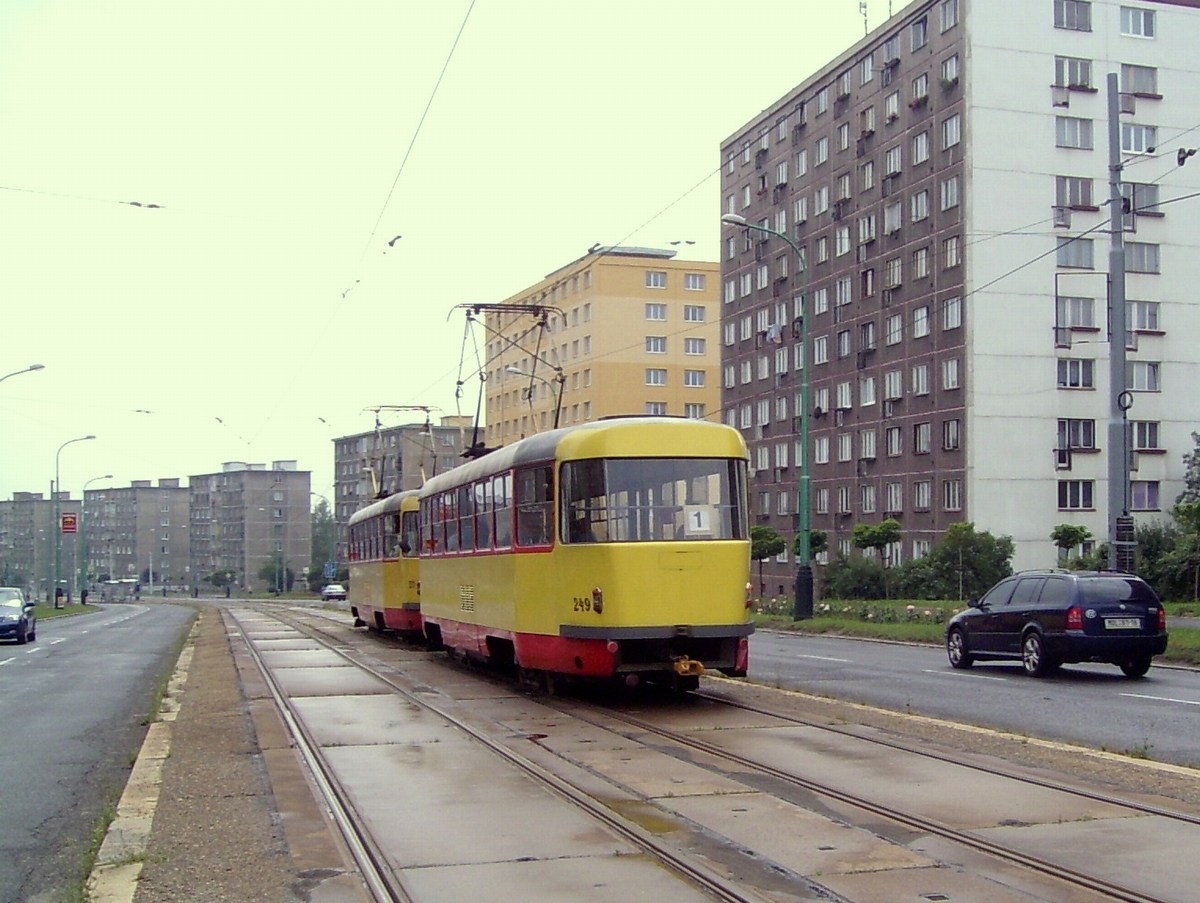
(597, 600)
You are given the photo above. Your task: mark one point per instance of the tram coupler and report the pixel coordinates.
(687, 667)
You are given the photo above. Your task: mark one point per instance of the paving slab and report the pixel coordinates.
(368, 721)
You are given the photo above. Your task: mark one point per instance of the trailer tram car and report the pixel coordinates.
(613, 549)
(384, 567)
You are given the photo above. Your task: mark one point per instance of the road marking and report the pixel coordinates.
(825, 658)
(55, 642)
(7, 661)
(1161, 699)
(952, 674)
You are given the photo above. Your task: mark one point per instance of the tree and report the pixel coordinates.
(324, 544)
(277, 577)
(1191, 475)
(765, 542)
(855, 577)
(877, 536)
(964, 565)
(818, 542)
(1068, 537)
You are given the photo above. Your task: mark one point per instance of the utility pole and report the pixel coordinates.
(1120, 525)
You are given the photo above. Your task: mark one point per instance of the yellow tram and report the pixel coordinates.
(384, 567)
(618, 548)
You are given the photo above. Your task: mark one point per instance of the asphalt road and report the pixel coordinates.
(72, 705)
(1093, 705)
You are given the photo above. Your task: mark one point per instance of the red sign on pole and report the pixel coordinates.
(70, 523)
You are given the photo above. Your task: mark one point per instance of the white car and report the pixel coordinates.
(333, 591)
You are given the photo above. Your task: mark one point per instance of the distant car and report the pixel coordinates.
(1049, 618)
(18, 619)
(333, 591)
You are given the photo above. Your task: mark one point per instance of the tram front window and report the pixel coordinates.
(652, 500)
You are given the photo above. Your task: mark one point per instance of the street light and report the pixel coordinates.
(559, 377)
(83, 529)
(54, 492)
(804, 575)
(28, 369)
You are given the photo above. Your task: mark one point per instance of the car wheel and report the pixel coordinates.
(1136, 667)
(1033, 656)
(956, 649)
(22, 637)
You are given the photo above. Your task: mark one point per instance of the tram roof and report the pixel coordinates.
(548, 446)
(385, 505)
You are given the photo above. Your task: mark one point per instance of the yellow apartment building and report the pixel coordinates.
(620, 331)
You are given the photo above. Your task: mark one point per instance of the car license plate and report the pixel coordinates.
(1122, 623)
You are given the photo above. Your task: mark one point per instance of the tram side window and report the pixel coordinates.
(391, 536)
(466, 518)
(408, 534)
(502, 499)
(483, 514)
(584, 502)
(535, 505)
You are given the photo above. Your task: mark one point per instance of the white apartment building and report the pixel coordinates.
(947, 179)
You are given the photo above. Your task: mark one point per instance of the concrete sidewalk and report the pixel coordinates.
(218, 807)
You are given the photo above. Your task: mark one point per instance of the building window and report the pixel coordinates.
(1138, 139)
(920, 88)
(1076, 373)
(951, 131)
(951, 253)
(952, 495)
(1141, 80)
(894, 329)
(822, 151)
(821, 450)
(1143, 376)
(920, 262)
(693, 411)
(693, 378)
(1143, 316)
(656, 311)
(1076, 313)
(866, 496)
(920, 205)
(919, 31)
(845, 446)
(656, 408)
(1073, 191)
(922, 495)
(694, 282)
(656, 279)
(1138, 23)
(1073, 14)
(949, 188)
(922, 438)
(893, 385)
(893, 272)
(894, 498)
(694, 346)
(920, 317)
(893, 438)
(948, 14)
(656, 344)
(950, 434)
(1143, 495)
(950, 70)
(893, 160)
(1072, 72)
(950, 379)
(1145, 435)
(1075, 495)
(952, 313)
(693, 313)
(1141, 257)
(920, 379)
(656, 376)
(1077, 252)
(1076, 433)
(1072, 131)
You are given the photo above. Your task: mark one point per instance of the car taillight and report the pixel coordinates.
(1074, 618)
(1162, 619)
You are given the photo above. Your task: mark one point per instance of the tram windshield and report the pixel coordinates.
(653, 500)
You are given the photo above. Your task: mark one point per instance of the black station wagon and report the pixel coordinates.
(1049, 618)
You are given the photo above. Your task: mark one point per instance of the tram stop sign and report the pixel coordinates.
(69, 523)
(330, 570)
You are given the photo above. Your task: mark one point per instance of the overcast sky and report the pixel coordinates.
(259, 308)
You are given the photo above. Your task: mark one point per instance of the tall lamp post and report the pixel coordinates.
(54, 491)
(28, 369)
(804, 574)
(83, 529)
(559, 377)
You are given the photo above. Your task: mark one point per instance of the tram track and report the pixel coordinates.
(635, 729)
(383, 883)
(1109, 889)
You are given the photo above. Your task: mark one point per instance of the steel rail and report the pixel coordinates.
(381, 880)
(689, 869)
(909, 820)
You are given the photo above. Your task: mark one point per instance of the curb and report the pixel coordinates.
(118, 866)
